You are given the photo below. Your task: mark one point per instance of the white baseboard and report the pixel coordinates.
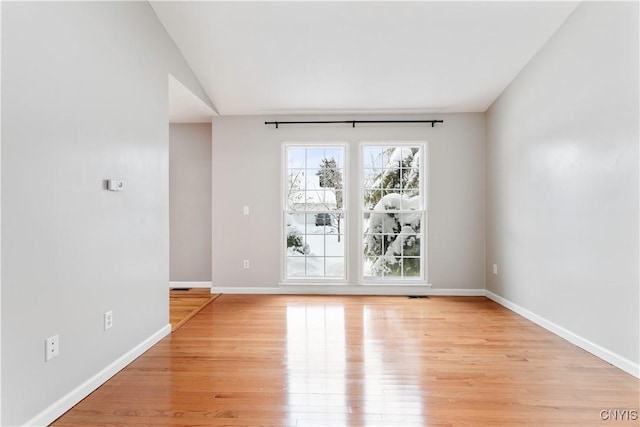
(65, 403)
(456, 292)
(317, 289)
(190, 284)
(601, 352)
(258, 290)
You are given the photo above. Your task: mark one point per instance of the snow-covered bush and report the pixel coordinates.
(295, 241)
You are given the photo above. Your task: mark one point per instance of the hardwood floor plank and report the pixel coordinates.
(249, 360)
(184, 304)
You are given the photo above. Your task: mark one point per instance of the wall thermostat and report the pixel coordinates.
(114, 185)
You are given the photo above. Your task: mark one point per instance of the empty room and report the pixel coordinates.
(298, 214)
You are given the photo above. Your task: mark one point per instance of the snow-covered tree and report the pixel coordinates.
(294, 181)
(391, 233)
(295, 241)
(331, 177)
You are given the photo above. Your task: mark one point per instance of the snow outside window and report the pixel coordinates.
(393, 211)
(314, 214)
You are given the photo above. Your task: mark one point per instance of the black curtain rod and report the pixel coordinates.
(353, 122)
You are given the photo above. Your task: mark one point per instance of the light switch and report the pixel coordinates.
(245, 210)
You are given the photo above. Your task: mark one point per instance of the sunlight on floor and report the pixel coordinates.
(317, 374)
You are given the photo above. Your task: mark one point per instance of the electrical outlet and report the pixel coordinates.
(51, 347)
(245, 210)
(245, 263)
(108, 320)
(495, 269)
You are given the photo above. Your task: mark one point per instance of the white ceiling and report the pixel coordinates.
(358, 57)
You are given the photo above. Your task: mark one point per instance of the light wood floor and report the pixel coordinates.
(359, 361)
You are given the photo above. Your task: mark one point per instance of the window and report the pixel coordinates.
(314, 212)
(393, 211)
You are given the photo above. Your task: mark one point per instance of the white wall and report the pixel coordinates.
(246, 171)
(0, 214)
(562, 183)
(190, 202)
(84, 98)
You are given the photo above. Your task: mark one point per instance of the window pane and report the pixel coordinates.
(409, 222)
(392, 217)
(373, 245)
(315, 266)
(334, 267)
(410, 244)
(296, 245)
(326, 199)
(371, 178)
(391, 200)
(295, 222)
(385, 157)
(411, 267)
(368, 264)
(295, 201)
(296, 158)
(311, 179)
(295, 267)
(371, 198)
(411, 200)
(315, 240)
(339, 196)
(334, 244)
(373, 222)
(390, 178)
(335, 154)
(316, 245)
(294, 185)
(315, 223)
(314, 155)
(391, 270)
(372, 157)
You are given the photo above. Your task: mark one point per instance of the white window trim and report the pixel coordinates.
(284, 208)
(425, 182)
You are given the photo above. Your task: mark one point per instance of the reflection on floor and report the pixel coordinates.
(248, 360)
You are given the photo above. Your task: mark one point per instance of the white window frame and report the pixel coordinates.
(424, 194)
(285, 210)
